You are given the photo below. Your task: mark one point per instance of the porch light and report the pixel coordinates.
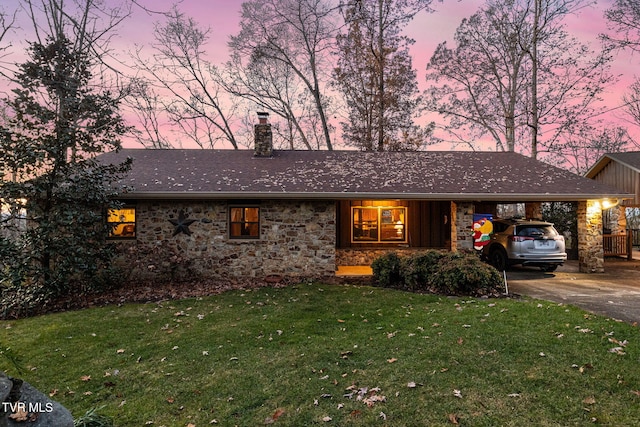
(610, 203)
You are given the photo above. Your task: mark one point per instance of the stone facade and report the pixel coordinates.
(297, 239)
(462, 223)
(366, 256)
(590, 249)
(616, 219)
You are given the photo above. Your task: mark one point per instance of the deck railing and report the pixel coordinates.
(636, 237)
(618, 244)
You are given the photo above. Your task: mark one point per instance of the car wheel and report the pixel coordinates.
(549, 268)
(498, 259)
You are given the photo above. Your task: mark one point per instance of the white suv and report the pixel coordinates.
(525, 242)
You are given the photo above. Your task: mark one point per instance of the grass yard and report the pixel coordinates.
(334, 355)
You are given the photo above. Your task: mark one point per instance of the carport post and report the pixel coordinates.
(590, 249)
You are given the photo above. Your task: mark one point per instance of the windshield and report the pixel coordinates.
(536, 231)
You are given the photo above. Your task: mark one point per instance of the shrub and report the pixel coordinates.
(465, 274)
(419, 267)
(450, 273)
(386, 270)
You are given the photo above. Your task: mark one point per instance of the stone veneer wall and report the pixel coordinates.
(590, 250)
(617, 220)
(463, 226)
(365, 256)
(297, 239)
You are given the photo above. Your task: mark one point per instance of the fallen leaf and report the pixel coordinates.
(191, 425)
(85, 378)
(457, 393)
(636, 392)
(53, 392)
(383, 416)
(170, 400)
(453, 419)
(460, 340)
(392, 360)
(19, 416)
(120, 350)
(326, 419)
(273, 418)
(589, 400)
(411, 385)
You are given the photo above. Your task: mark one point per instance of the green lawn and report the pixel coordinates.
(334, 355)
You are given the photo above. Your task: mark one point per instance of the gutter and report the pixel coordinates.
(498, 197)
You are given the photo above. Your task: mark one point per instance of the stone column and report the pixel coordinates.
(533, 210)
(462, 226)
(590, 250)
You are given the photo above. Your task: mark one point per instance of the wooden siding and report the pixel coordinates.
(623, 178)
(428, 224)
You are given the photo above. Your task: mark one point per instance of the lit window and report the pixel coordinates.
(122, 222)
(244, 223)
(378, 224)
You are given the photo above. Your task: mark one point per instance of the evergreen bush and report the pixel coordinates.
(449, 273)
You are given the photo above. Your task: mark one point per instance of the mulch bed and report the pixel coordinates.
(145, 292)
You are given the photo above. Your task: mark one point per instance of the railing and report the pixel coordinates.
(636, 237)
(618, 244)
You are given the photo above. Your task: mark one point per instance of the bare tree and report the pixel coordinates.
(376, 76)
(517, 74)
(624, 21)
(477, 85)
(146, 104)
(7, 21)
(296, 33)
(273, 86)
(581, 152)
(186, 85)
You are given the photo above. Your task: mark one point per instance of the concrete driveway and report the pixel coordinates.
(615, 293)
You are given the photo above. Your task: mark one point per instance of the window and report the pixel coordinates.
(378, 224)
(122, 222)
(244, 222)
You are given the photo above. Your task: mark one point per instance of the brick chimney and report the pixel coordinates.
(263, 136)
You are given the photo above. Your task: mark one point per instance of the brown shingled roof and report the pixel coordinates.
(351, 174)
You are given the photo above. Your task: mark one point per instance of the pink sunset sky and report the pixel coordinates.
(428, 30)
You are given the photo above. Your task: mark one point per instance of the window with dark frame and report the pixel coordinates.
(378, 224)
(122, 223)
(244, 222)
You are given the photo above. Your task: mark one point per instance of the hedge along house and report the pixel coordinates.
(263, 212)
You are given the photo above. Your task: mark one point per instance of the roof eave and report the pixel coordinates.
(506, 197)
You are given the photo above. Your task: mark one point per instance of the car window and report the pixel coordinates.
(499, 227)
(536, 231)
